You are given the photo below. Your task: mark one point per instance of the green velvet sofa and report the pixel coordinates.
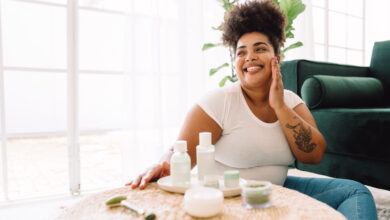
(357, 135)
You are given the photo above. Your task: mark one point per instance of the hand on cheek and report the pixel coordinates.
(276, 93)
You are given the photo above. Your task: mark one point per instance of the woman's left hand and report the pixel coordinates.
(276, 93)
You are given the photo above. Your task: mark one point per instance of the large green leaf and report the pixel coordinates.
(292, 46)
(214, 70)
(292, 8)
(289, 28)
(230, 78)
(210, 45)
(289, 35)
(223, 81)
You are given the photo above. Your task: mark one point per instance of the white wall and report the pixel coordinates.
(377, 24)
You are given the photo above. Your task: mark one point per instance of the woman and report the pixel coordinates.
(258, 127)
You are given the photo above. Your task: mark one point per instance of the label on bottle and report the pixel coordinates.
(181, 171)
(205, 162)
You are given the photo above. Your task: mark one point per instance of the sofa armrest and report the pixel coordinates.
(295, 72)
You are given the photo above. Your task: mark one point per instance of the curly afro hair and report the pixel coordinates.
(255, 16)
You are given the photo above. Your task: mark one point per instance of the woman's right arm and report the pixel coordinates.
(196, 121)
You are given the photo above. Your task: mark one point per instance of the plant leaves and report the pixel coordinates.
(227, 4)
(210, 45)
(217, 28)
(276, 1)
(223, 81)
(289, 35)
(289, 28)
(292, 46)
(292, 8)
(230, 78)
(214, 70)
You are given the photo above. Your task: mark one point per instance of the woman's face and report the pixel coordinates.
(253, 60)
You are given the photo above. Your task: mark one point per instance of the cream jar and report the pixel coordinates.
(256, 194)
(231, 178)
(203, 202)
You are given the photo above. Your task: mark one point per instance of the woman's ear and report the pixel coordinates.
(278, 58)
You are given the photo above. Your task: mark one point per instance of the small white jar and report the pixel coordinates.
(203, 202)
(211, 181)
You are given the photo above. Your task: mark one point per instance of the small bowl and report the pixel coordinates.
(256, 194)
(203, 202)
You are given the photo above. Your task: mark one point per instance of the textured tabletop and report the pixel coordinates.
(286, 204)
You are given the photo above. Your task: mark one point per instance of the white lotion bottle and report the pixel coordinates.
(205, 156)
(180, 165)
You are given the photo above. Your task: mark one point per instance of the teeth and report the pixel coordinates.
(253, 68)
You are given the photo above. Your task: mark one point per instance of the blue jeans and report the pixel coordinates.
(350, 198)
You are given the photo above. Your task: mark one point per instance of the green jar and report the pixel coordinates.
(256, 194)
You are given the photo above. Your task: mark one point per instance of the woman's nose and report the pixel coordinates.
(250, 57)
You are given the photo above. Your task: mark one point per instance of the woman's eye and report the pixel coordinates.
(260, 49)
(240, 53)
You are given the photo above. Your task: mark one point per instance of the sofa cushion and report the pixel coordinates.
(357, 145)
(295, 72)
(338, 91)
(356, 132)
(367, 171)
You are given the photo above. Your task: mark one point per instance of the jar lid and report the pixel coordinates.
(231, 174)
(264, 186)
(180, 146)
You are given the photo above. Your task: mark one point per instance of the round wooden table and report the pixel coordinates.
(286, 204)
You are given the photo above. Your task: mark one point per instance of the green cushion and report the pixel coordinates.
(367, 171)
(338, 91)
(357, 144)
(295, 72)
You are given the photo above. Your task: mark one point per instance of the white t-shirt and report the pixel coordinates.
(259, 150)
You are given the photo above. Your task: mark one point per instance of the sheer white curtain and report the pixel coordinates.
(164, 76)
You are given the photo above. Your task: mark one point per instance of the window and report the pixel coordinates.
(91, 93)
(338, 28)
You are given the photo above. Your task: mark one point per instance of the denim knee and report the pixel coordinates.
(355, 187)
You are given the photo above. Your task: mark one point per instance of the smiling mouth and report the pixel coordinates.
(253, 69)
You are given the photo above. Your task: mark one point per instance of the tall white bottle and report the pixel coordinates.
(180, 165)
(205, 156)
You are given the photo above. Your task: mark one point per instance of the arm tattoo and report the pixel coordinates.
(302, 136)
